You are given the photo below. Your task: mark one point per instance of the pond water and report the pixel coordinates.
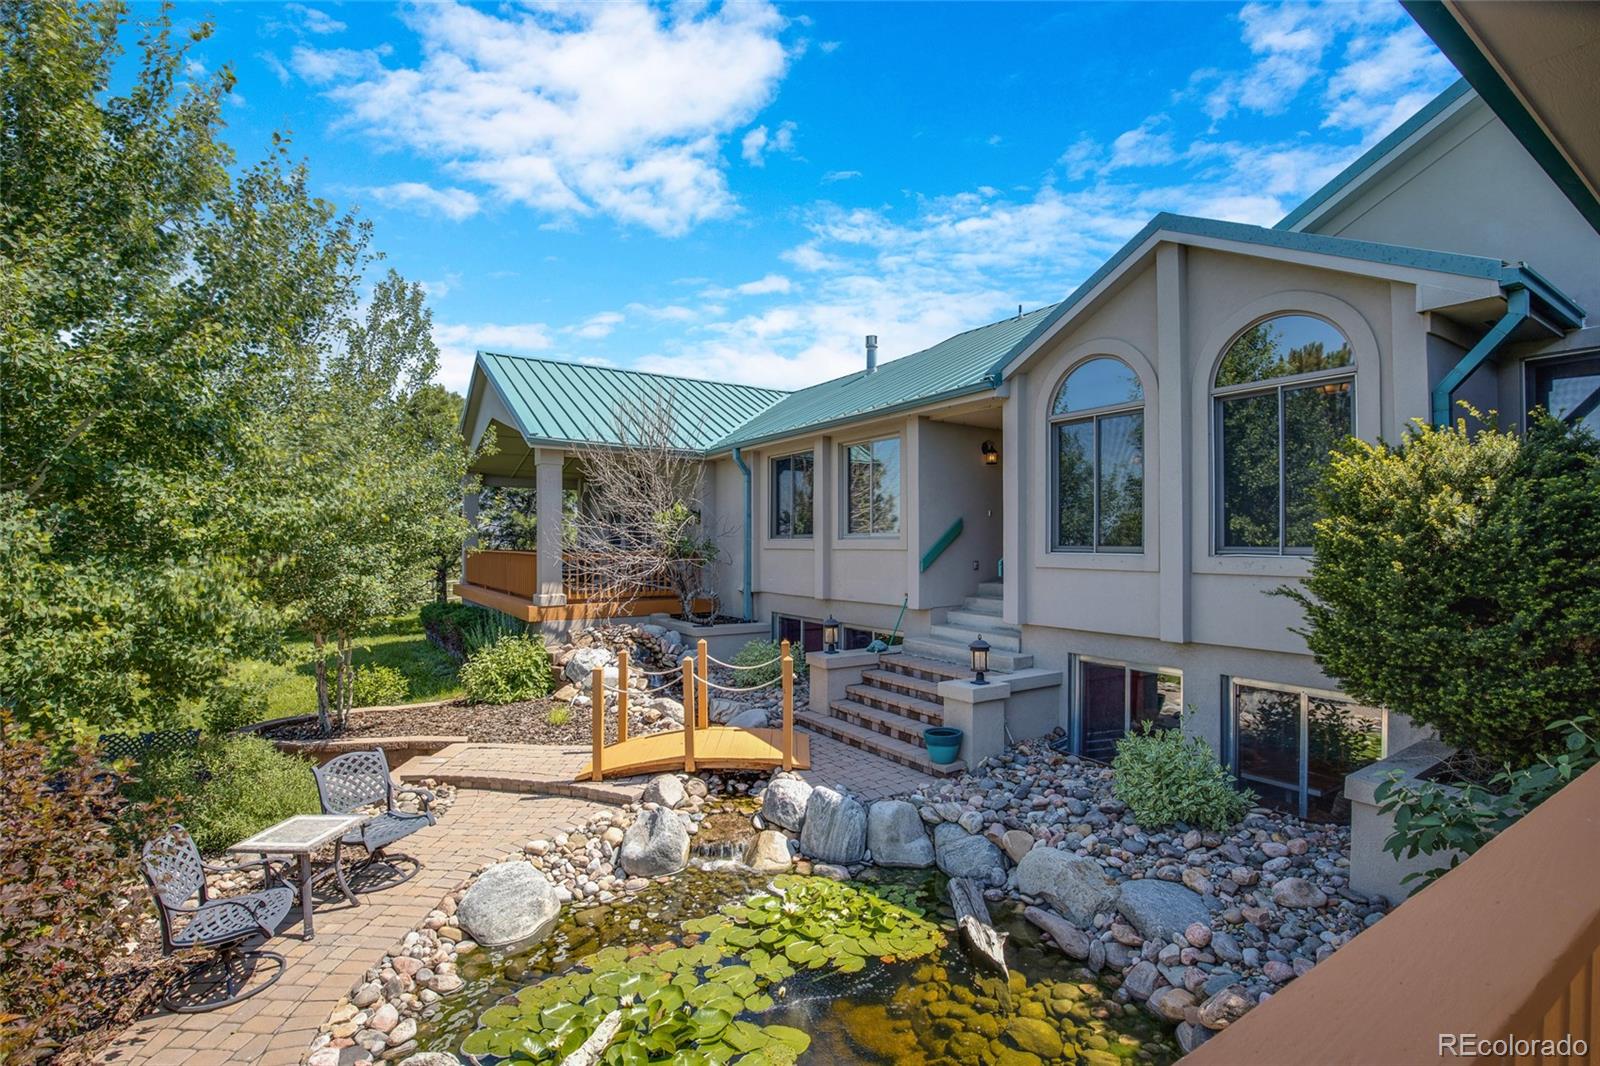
(717, 967)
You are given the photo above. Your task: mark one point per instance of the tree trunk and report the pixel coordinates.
(320, 642)
(345, 679)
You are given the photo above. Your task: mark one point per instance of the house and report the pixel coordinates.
(1109, 489)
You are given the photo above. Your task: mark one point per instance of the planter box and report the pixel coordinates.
(722, 642)
(1374, 871)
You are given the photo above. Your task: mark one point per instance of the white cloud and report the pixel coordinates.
(459, 343)
(839, 175)
(275, 66)
(752, 145)
(617, 109)
(662, 313)
(1147, 145)
(452, 203)
(314, 20)
(597, 326)
(757, 143)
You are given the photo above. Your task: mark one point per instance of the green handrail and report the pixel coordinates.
(931, 556)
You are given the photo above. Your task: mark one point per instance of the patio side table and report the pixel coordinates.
(300, 836)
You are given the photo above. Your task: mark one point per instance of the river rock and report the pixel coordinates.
(1224, 1008)
(749, 718)
(655, 844)
(1074, 885)
(768, 853)
(1016, 844)
(1034, 1035)
(1073, 942)
(1158, 909)
(431, 1058)
(835, 827)
(962, 854)
(1170, 1003)
(895, 835)
(1298, 892)
(784, 802)
(510, 902)
(580, 668)
(1141, 979)
(666, 790)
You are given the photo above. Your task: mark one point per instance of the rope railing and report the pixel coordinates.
(744, 666)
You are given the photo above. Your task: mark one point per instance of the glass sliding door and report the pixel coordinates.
(1115, 698)
(1294, 746)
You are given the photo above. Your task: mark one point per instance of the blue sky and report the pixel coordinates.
(742, 191)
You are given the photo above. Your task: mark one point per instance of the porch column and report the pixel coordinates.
(547, 464)
(469, 510)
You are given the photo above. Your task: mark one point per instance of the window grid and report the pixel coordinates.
(882, 454)
(793, 472)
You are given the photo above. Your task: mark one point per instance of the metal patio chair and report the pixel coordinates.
(358, 780)
(177, 875)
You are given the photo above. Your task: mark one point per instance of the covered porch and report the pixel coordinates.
(566, 590)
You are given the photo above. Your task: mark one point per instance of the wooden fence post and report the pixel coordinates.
(689, 714)
(703, 703)
(788, 708)
(597, 696)
(622, 695)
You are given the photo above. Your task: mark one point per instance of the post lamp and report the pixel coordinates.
(830, 635)
(980, 659)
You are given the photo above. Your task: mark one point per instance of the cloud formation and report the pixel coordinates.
(452, 203)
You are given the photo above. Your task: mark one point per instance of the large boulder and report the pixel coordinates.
(749, 718)
(784, 803)
(509, 903)
(895, 835)
(1074, 885)
(963, 854)
(768, 853)
(581, 666)
(655, 844)
(835, 827)
(1158, 909)
(665, 790)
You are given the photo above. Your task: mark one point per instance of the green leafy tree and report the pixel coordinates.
(155, 299)
(1457, 581)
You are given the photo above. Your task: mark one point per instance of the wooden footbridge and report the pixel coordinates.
(699, 745)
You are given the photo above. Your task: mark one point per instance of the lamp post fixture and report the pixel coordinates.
(991, 454)
(980, 660)
(830, 635)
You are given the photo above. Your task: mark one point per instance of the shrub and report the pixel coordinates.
(512, 669)
(759, 652)
(379, 686)
(1456, 580)
(229, 788)
(560, 714)
(67, 873)
(233, 705)
(1165, 777)
(463, 628)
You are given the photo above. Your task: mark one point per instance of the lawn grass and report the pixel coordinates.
(397, 642)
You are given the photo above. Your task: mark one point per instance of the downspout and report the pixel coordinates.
(749, 599)
(1516, 312)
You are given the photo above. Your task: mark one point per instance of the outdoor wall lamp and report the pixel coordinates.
(830, 635)
(991, 454)
(980, 660)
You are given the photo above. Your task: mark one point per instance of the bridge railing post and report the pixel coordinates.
(622, 695)
(788, 707)
(689, 714)
(597, 698)
(703, 702)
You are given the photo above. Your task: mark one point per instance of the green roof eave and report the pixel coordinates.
(809, 428)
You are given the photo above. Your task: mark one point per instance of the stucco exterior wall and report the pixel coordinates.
(953, 482)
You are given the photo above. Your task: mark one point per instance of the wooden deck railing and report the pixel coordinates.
(1505, 947)
(516, 573)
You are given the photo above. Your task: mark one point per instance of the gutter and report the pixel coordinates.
(749, 598)
(1516, 312)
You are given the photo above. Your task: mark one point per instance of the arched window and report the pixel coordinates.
(1284, 393)
(1097, 428)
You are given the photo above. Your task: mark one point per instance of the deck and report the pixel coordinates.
(716, 747)
(508, 582)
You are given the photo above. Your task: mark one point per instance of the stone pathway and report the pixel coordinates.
(275, 1027)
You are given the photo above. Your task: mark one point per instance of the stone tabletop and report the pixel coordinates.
(303, 832)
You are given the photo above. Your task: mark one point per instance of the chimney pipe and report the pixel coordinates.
(872, 353)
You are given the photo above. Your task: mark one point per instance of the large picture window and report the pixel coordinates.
(1569, 389)
(791, 495)
(872, 488)
(1284, 394)
(1294, 746)
(1097, 432)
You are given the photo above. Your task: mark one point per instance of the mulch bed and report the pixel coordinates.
(527, 722)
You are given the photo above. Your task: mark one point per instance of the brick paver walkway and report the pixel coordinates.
(275, 1027)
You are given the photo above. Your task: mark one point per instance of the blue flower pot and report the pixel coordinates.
(943, 743)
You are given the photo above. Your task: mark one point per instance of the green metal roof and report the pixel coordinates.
(575, 403)
(951, 368)
(1372, 156)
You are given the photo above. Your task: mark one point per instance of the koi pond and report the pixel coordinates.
(722, 967)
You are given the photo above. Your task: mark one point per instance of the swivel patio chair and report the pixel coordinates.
(358, 781)
(176, 875)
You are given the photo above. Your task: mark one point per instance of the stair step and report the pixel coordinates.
(999, 661)
(912, 755)
(929, 712)
(965, 636)
(992, 589)
(887, 723)
(979, 605)
(929, 669)
(983, 623)
(909, 684)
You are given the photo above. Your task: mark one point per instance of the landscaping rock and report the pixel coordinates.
(1170, 1003)
(509, 903)
(431, 1058)
(784, 802)
(666, 790)
(1016, 844)
(1140, 980)
(1075, 886)
(655, 844)
(1224, 1008)
(1158, 909)
(962, 854)
(1298, 892)
(1034, 1035)
(768, 853)
(580, 668)
(895, 835)
(835, 827)
(1073, 942)
(749, 718)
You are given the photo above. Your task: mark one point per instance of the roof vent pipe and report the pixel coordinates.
(872, 353)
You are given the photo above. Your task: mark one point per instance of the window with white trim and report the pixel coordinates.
(1097, 437)
(1283, 398)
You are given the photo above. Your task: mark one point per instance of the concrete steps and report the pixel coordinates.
(906, 754)
(1000, 661)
